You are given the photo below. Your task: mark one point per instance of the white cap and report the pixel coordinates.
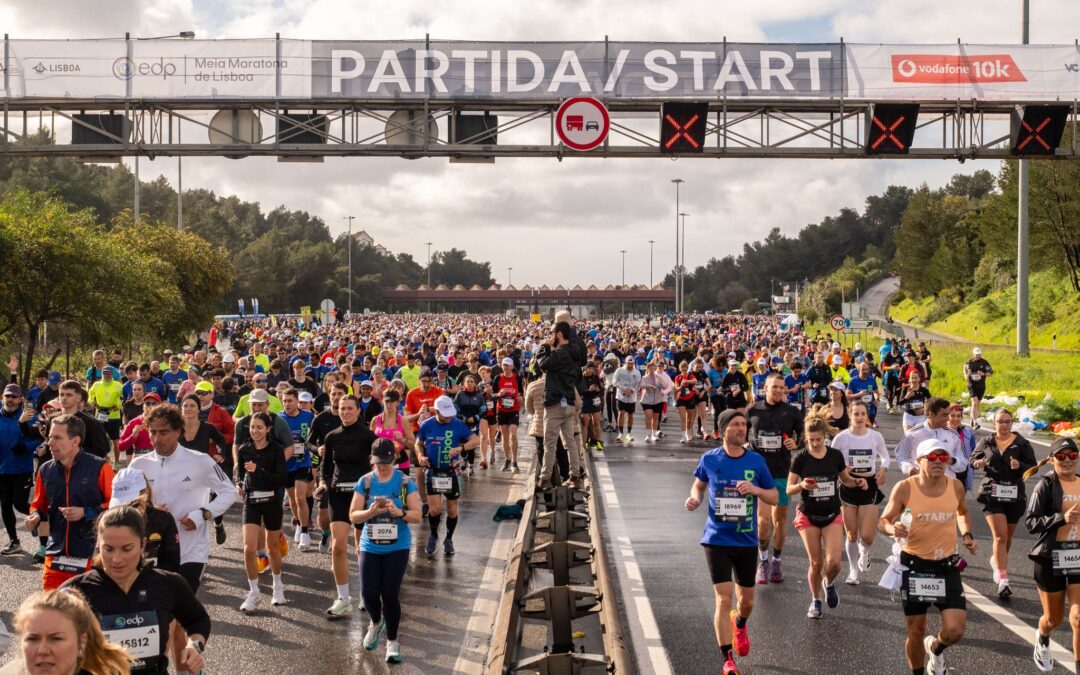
(930, 445)
(306, 397)
(976, 352)
(838, 385)
(444, 405)
(127, 484)
(762, 362)
(258, 396)
(508, 361)
(858, 345)
(837, 359)
(836, 345)
(228, 358)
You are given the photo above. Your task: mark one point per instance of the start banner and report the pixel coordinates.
(301, 70)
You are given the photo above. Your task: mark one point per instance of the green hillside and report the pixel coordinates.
(1054, 309)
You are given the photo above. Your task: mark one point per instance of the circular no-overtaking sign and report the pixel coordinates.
(582, 123)
(838, 322)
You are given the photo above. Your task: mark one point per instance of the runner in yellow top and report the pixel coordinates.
(107, 397)
(923, 513)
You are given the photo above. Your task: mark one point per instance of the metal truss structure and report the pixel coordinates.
(737, 128)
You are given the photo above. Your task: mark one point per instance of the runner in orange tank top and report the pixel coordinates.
(923, 513)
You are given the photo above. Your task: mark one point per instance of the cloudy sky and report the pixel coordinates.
(557, 222)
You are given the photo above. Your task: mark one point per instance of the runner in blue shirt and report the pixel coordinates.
(439, 443)
(731, 476)
(797, 384)
(173, 378)
(386, 501)
(864, 387)
(298, 468)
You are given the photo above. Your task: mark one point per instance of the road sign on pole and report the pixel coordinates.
(838, 322)
(860, 324)
(582, 123)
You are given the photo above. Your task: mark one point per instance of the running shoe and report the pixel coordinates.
(832, 598)
(374, 635)
(472, 471)
(250, 601)
(483, 464)
(12, 548)
(1003, 589)
(619, 438)
(448, 547)
(763, 572)
(219, 534)
(740, 636)
(1041, 655)
(39, 555)
(814, 612)
(776, 575)
(305, 541)
(393, 651)
(506, 465)
(342, 607)
(729, 667)
(424, 509)
(279, 595)
(432, 542)
(600, 445)
(264, 564)
(852, 577)
(324, 544)
(935, 663)
(515, 467)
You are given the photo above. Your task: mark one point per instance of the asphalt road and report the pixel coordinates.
(441, 597)
(667, 594)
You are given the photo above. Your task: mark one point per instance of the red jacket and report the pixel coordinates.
(223, 421)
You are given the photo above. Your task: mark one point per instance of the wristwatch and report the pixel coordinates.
(200, 646)
(206, 515)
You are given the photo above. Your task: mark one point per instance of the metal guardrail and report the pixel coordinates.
(555, 514)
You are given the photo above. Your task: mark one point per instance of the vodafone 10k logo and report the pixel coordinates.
(954, 69)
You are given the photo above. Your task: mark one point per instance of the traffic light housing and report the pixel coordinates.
(1036, 130)
(682, 126)
(890, 128)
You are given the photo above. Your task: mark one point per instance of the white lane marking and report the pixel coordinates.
(644, 631)
(474, 646)
(1063, 657)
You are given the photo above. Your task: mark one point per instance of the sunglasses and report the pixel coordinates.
(938, 456)
(260, 381)
(1070, 455)
(150, 403)
(202, 393)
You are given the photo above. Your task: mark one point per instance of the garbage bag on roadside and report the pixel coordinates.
(509, 511)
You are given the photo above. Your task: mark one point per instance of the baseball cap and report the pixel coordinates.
(732, 362)
(383, 452)
(366, 383)
(1063, 443)
(508, 361)
(836, 345)
(976, 352)
(204, 386)
(858, 345)
(127, 484)
(259, 396)
(306, 397)
(229, 358)
(929, 445)
(152, 396)
(837, 359)
(13, 390)
(762, 362)
(54, 377)
(838, 385)
(445, 406)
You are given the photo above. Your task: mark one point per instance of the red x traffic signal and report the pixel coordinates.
(890, 128)
(1037, 129)
(682, 126)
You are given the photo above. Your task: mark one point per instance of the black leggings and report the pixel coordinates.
(609, 405)
(380, 580)
(14, 496)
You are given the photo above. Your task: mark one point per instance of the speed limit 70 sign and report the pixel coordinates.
(838, 322)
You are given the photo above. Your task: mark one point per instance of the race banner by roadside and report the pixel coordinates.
(303, 70)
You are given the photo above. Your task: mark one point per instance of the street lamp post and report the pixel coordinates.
(429, 273)
(1022, 232)
(623, 287)
(651, 242)
(349, 245)
(682, 266)
(678, 282)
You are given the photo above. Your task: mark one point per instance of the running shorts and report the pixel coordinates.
(727, 561)
(930, 582)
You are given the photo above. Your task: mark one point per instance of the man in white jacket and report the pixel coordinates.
(182, 481)
(627, 383)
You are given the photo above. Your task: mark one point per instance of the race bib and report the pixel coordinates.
(861, 459)
(138, 633)
(260, 496)
(63, 563)
(442, 484)
(175, 386)
(824, 490)
(926, 587)
(916, 407)
(297, 450)
(735, 389)
(102, 416)
(729, 506)
(507, 402)
(1005, 492)
(867, 398)
(770, 442)
(383, 530)
(345, 487)
(596, 401)
(1065, 558)
(975, 377)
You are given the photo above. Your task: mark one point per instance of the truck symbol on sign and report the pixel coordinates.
(575, 122)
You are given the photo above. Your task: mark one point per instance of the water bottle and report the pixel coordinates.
(905, 520)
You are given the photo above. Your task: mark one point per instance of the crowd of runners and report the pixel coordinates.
(348, 437)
